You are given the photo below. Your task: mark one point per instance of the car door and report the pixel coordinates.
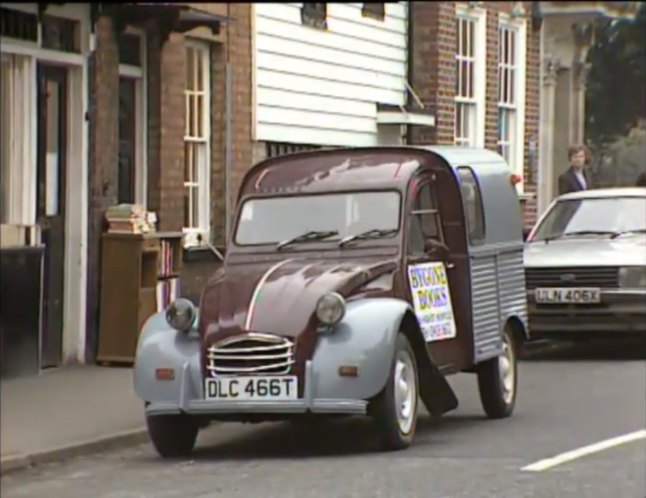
(428, 273)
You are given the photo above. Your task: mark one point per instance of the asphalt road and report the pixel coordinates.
(568, 399)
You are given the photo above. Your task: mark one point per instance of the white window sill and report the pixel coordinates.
(191, 238)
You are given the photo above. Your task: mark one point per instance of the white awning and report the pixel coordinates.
(403, 116)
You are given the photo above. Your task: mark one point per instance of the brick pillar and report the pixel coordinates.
(532, 119)
(166, 80)
(433, 47)
(240, 62)
(218, 136)
(491, 93)
(103, 116)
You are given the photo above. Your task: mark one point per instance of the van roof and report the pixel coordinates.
(362, 167)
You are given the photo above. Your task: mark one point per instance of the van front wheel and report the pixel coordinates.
(172, 435)
(394, 410)
(497, 379)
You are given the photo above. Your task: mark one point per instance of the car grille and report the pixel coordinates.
(251, 354)
(605, 277)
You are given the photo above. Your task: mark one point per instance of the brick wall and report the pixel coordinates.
(165, 138)
(532, 117)
(103, 114)
(235, 51)
(434, 43)
(240, 58)
(434, 74)
(166, 73)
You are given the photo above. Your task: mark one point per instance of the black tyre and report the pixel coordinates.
(394, 410)
(172, 435)
(497, 379)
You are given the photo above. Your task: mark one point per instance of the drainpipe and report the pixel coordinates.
(409, 63)
(227, 144)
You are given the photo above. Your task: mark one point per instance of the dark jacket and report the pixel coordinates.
(568, 182)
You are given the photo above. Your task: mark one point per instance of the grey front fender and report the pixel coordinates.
(161, 346)
(365, 337)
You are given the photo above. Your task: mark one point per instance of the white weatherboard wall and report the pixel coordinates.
(322, 86)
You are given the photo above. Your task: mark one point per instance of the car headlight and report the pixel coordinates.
(330, 308)
(632, 276)
(181, 314)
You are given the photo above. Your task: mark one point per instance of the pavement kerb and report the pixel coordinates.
(124, 439)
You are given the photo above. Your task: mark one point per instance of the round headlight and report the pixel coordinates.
(330, 308)
(181, 314)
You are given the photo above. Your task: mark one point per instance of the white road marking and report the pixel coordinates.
(568, 456)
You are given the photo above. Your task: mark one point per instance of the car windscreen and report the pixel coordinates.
(275, 219)
(615, 215)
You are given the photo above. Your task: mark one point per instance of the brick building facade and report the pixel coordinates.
(434, 74)
(182, 122)
(165, 93)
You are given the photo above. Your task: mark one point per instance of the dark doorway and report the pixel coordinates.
(50, 204)
(127, 137)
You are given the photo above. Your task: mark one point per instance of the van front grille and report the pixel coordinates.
(251, 354)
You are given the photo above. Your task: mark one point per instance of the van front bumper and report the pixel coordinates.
(621, 314)
(197, 405)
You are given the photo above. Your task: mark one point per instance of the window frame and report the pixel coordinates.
(477, 101)
(5, 140)
(21, 156)
(475, 239)
(420, 212)
(202, 183)
(517, 27)
(374, 10)
(314, 14)
(139, 75)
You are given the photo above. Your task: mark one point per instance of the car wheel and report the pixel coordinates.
(394, 410)
(497, 379)
(172, 435)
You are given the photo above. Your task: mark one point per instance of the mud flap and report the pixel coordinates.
(436, 393)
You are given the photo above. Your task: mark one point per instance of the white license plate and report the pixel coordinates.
(578, 295)
(274, 388)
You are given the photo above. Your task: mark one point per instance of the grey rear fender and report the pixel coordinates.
(161, 346)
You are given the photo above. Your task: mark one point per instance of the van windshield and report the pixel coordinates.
(274, 219)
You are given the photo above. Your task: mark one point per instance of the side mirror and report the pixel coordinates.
(436, 248)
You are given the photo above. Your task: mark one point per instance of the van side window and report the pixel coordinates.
(472, 199)
(425, 220)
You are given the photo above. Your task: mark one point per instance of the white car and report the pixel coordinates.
(585, 266)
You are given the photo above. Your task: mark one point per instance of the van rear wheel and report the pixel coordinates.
(172, 435)
(394, 410)
(497, 379)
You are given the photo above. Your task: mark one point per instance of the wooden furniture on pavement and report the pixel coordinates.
(139, 276)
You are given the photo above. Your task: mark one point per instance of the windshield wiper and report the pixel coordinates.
(625, 232)
(550, 238)
(308, 236)
(368, 234)
(591, 232)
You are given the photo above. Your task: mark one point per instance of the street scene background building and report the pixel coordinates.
(167, 106)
